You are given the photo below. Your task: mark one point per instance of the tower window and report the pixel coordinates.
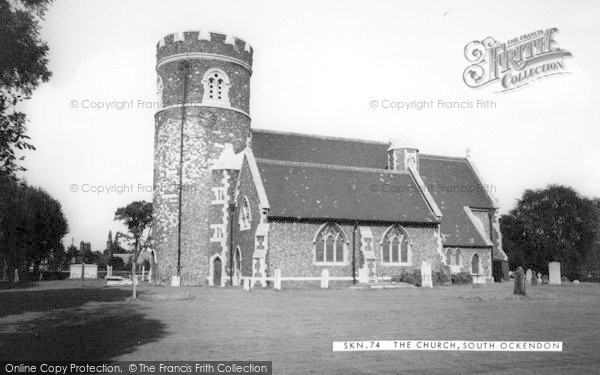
(216, 87)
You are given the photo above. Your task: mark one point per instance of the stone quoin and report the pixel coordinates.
(248, 202)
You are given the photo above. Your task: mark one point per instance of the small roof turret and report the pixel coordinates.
(402, 141)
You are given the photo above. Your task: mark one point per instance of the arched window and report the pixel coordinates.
(395, 247)
(216, 87)
(330, 245)
(237, 262)
(449, 257)
(245, 220)
(159, 91)
(458, 258)
(475, 264)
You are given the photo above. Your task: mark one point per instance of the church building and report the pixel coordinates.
(233, 202)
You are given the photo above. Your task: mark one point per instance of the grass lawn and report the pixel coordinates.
(295, 328)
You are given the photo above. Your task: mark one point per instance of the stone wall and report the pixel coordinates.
(292, 250)
(485, 260)
(245, 238)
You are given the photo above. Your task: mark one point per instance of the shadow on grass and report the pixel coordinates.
(73, 324)
(99, 333)
(21, 301)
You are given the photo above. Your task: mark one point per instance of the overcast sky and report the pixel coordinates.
(317, 67)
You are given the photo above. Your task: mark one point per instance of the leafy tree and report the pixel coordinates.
(552, 224)
(137, 217)
(31, 224)
(23, 66)
(59, 260)
(72, 253)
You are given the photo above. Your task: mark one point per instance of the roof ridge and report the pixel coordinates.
(320, 136)
(443, 157)
(328, 166)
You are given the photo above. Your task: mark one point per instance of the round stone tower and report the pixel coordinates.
(203, 86)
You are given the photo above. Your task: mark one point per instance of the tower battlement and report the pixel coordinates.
(204, 42)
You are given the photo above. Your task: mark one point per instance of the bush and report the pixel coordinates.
(461, 278)
(592, 277)
(118, 264)
(55, 276)
(442, 277)
(410, 277)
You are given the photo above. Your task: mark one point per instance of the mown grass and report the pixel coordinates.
(295, 328)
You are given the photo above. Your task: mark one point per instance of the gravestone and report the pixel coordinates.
(277, 285)
(363, 275)
(519, 282)
(325, 279)
(426, 280)
(247, 285)
(539, 278)
(554, 272)
(528, 275)
(534, 281)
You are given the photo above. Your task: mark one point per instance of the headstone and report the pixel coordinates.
(17, 278)
(363, 275)
(534, 281)
(519, 282)
(325, 279)
(247, 285)
(426, 279)
(277, 285)
(528, 275)
(539, 278)
(576, 282)
(554, 272)
(175, 281)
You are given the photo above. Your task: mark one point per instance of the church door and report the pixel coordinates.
(217, 272)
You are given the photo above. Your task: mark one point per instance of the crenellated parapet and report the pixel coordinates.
(202, 43)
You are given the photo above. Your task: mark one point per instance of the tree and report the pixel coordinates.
(31, 224)
(552, 224)
(137, 217)
(23, 66)
(72, 253)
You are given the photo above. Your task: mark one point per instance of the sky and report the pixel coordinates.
(318, 66)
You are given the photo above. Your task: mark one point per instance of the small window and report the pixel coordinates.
(395, 247)
(159, 91)
(216, 87)
(475, 264)
(330, 245)
(245, 219)
(458, 258)
(448, 257)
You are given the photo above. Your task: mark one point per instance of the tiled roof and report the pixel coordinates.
(312, 191)
(319, 149)
(454, 185)
(452, 182)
